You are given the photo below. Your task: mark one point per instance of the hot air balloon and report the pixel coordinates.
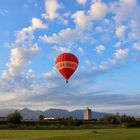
(66, 63)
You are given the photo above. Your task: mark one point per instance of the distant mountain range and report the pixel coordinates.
(51, 113)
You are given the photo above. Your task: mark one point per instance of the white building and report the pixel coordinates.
(87, 114)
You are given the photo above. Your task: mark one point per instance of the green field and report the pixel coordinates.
(98, 134)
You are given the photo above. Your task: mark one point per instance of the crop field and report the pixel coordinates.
(92, 134)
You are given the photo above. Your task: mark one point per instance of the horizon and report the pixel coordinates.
(70, 110)
(105, 37)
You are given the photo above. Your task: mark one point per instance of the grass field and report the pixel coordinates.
(98, 134)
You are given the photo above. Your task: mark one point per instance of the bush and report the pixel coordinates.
(14, 118)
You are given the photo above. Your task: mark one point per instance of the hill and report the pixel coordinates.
(51, 113)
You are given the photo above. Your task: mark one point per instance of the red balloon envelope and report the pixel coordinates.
(66, 63)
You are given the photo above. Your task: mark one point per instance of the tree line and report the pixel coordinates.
(117, 119)
(16, 121)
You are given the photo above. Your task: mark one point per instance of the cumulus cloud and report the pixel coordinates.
(65, 35)
(23, 49)
(37, 23)
(126, 12)
(121, 53)
(50, 74)
(97, 11)
(93, 66)
(134, 33)
(123, 10)
(5, 75)
(103, 66)
(107, 65)
(30, 74)
(80, 19)
(19, 58)
(25, 35)
(120, 31)
(51, 7)
(60, 49)
(100, 49)
(99, 29)
(82, 1)
(15, 94)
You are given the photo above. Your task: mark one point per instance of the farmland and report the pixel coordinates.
(85, 134)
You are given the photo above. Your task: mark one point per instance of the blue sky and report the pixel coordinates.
(104, 35)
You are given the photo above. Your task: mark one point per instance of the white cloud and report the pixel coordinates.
(80, 19)
(34, 49)
(104, 65)
(108, 64)
(59, 49)
(62, 19)
(51, 7)
(121, 53)
(50, 74)
(136, 46)
(118, 44)
(23, 49)
(128, 2)
(134, 33)
(65, 35)
(82, 1)
(134, 24)
(100, 49)
(81, 51)
(98, 10)
(25, 35)
(5, 75)
(19, 58)
(99, 29)
(30, 74)
(6, 98)
(37, 23)
(91, 64)
(123, 10)
(120, 31)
